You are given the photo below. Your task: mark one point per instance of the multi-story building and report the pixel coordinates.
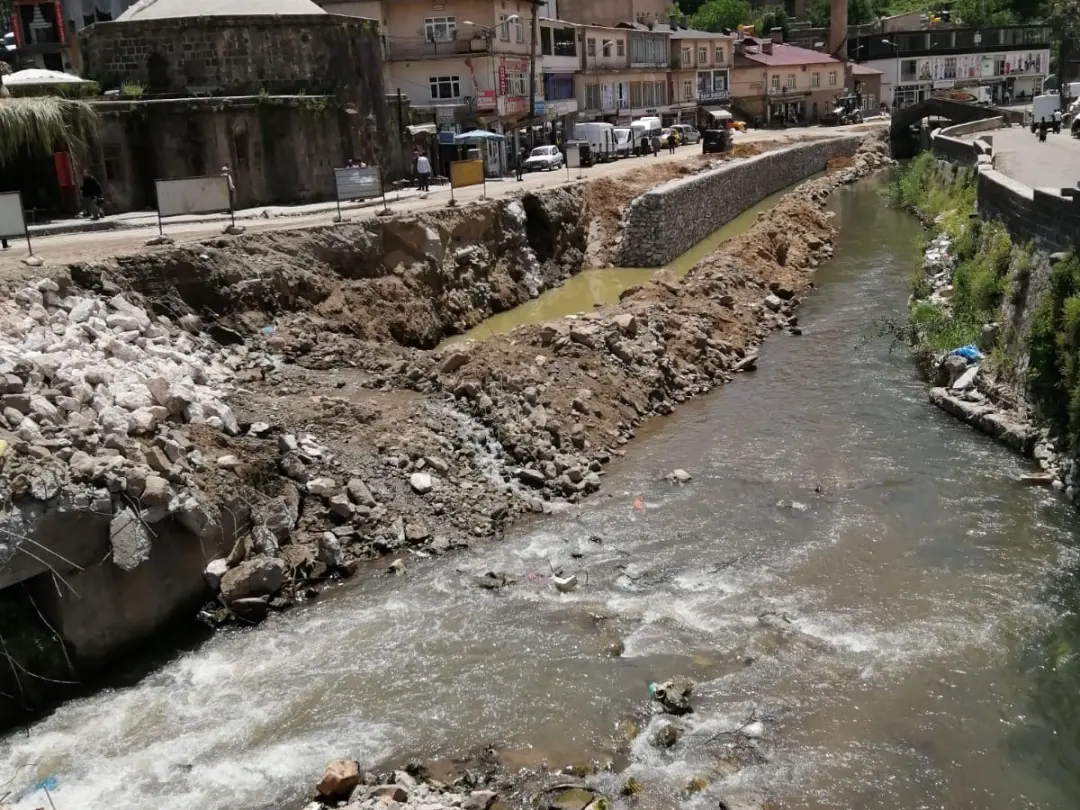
(613, 12)
(774, 82)
(700, 74)
(560, 54)
(1013, 61)
(624, 73)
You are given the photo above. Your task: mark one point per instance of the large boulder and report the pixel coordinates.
(260, 576)
(339, 779)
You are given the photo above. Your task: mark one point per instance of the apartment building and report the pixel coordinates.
(700, 74)
(623, 74)
(612, 12)
(560, 59)
(773, 82)
(1013, 61)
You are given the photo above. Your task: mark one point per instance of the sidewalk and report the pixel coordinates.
(149, 219)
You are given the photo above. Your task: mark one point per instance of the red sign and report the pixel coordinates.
(485, 100)
(502, 78)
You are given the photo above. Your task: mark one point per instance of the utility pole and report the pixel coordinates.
(532, 70)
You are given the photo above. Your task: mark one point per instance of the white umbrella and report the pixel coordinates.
(38, 76)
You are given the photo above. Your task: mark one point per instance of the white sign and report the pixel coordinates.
(573, 156)
(12, 221)
(357, 184)
(193, 195)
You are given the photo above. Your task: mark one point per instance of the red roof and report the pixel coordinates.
(791, 55)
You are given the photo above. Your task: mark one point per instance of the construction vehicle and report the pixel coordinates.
(847, 111)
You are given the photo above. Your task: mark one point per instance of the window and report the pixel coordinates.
(949, 69)
(113, 161)
(774, 82)
(590, 47)
(703, 56)
(545, 42)
(445, 87)
(688, 89)
(719, 57)
(648, 94)
(661, 94)
(832, 78)
(440, 29)
(635, 95)
(563, 42)
(791, 81)
(687, 57)
(504, 27)
(606, 47)
(908, 70)
(620, 47)
(815, 79)
(517, 84)
(519, 30)
(592, 97)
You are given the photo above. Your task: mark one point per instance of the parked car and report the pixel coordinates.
(716, 140)
(548, 158)
(666, 135)
(688, 133)
(585, 152)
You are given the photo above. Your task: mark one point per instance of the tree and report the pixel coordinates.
(772, 17)
(720, 15)
(859, 12)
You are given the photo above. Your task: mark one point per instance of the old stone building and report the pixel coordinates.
(282, 94)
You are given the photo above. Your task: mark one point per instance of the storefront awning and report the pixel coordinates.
(720, 114)
(421, 129)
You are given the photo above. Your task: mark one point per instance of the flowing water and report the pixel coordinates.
(593, 288)
(919, 654)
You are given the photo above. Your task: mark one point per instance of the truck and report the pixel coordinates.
(983, 95)
(624, 141)
(601, 140)
(1044, 106)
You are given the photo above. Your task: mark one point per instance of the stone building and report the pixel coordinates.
(282, 93)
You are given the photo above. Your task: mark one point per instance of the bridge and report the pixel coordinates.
(955, 111)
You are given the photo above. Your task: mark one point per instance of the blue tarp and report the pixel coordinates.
(969, 353)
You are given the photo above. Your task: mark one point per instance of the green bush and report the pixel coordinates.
(1054, 350)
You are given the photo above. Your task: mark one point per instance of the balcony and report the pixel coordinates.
(411, 49)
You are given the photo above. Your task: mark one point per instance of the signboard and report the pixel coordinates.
(357, 184)
(466, 173)
(446, 138)
(193, 195)
(12, 221)
(573, 156)
(944, 84)
(539, 107)
(485, 100)
(514, 105)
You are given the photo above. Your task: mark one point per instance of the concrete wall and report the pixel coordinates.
(688, 210)
(947, 143)
(1047, 218)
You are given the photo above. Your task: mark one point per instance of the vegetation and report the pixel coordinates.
(131, 90)
(67, 90)
(1054, 371)
(44, 124)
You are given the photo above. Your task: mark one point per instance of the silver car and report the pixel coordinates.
(688, 133)
(544, 157)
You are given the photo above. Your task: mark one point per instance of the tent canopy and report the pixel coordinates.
(720, 115)
(478, 135)
(32, 76)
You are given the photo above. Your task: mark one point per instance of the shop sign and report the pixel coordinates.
(514, 105)
(944, 84)
(485, 100)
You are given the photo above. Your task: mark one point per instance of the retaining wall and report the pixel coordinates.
(947, 143)
(671, 218)
(1046, 217)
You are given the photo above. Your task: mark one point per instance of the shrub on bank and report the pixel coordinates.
(1054, 350)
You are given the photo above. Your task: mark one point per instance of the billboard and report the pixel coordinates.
(193, 195)
(12, 221)
(357, 184)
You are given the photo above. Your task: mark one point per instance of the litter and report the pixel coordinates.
(970, 353)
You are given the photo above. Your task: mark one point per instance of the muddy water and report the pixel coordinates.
(919, 654)
(601, 286)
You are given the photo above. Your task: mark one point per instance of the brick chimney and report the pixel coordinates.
(777, 36)
(838, 29)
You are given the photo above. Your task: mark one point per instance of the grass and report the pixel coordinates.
(1054, 346)
(132, 90)
(43, 124)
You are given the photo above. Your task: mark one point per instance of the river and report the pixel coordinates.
(924, 661)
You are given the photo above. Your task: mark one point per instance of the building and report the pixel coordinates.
(612, 12)
(700, 74)
(282, 98)
(1012, 61)
(560, 59)
(866, 83)
(773, 82)
(624, 73)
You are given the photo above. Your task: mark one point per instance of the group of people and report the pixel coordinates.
(1054, 123)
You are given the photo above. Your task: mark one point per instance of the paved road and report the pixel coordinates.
(89, 245)
(1054, 164)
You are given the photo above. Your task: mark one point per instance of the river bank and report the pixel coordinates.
(846, 565)
(299, 434)
(1010, 302)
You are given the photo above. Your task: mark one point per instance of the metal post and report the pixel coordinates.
(337, 198)
(382, 188)
(532, 71)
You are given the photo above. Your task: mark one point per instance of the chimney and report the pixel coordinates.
(766, 47)
(838, 28)
(777, 36)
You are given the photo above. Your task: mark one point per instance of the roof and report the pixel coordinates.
(169, 9)
(791, 55)
(691, 33)
(675, 32)
(865, 70)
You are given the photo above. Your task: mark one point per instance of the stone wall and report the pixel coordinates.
(948, 144)
(1048, 218)
(236, 55)
(673, 217)
(282, 150)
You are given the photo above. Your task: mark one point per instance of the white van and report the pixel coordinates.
(645, 127)
(624, 141)
(601, 139)
(1044, 106)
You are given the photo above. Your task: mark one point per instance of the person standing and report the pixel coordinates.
(1042, 129)
(423, 172)
(655, 145)
(91, 195)
(520, 163)
(671, 141)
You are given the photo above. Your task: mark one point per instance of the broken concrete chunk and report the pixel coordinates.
(359, 493)
(156, 492)
(129, 539)
(323, 487)
(214, 572)
(421, 483)
(260, 576)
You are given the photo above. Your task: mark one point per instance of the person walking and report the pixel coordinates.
(1042, 129)
(655, 145)
(423, 172)
(671, 141)
(91, 195)
(4, 244)
(520, 163)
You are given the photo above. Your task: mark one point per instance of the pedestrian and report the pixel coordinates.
(4, 244)
(644, 146)
(1042, 129)
(423, 172)
(671, 141)
(91, 195)
(520, 163)
(655, 145)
